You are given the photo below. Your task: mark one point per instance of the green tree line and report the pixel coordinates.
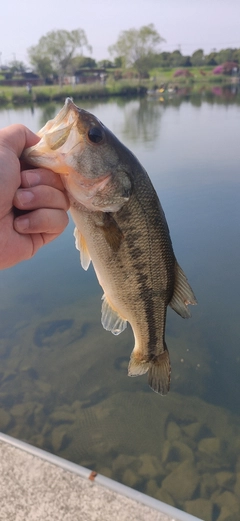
(64, 52)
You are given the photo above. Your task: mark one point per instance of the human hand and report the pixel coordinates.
(37, 192)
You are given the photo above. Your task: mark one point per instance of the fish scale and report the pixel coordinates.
(121, 228)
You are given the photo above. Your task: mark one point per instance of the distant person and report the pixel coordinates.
(39, 193)
(29, 87)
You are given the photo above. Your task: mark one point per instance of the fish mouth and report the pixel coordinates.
(59, 138)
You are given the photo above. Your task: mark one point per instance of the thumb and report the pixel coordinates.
(16, 138)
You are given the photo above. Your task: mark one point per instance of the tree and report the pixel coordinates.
(137, 48)
(210, 59)
(186, 61)
(105, 64)
(43, 66)
(176, 59)
(79, 62)
(119, 62)
(57, 48)
(17, 66)
(163, 59)
(225, 55)
(172, 59)
(236, 55)
(197, 58)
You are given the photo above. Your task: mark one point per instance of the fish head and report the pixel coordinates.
(76, 145)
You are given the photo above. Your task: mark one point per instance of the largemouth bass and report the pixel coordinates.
(122, 229)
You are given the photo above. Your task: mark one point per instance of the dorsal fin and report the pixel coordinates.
(81, 245)
(183, 294)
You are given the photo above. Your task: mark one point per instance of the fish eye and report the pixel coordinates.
(95, 135)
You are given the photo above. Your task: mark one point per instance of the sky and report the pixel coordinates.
(186, 25)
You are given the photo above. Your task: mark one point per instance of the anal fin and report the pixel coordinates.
(183, 294)
(111, 320)
(81, 245)
(137, 367)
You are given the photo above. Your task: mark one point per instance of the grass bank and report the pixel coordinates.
(46, 93)
(123, 87)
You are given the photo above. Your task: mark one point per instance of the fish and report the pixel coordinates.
(121, 228)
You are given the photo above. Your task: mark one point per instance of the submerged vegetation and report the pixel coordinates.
(185, 452)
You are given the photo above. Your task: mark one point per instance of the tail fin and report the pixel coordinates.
(159, 371)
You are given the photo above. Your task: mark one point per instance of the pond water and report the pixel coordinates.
(63, 379)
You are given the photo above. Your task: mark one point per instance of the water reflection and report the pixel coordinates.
(212, 93)
(48, 112)
(63, 379)
(142, 122)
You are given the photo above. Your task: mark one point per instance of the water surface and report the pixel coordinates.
(63, 379)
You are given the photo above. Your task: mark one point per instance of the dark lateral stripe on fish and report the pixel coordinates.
(145, 284)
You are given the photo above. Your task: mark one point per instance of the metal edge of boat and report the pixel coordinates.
(119, 488)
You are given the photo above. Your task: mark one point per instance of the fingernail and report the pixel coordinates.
(22, 224)
(32, 178)
(24, 196)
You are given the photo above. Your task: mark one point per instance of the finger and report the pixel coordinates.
(41, 221)
(41, 176)
(17, 137)
(40, 239)
(35, 241)
(40, 197)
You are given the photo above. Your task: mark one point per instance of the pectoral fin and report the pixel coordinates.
(81, 245)
(112, 232)
(111, 320)
(183, 294)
